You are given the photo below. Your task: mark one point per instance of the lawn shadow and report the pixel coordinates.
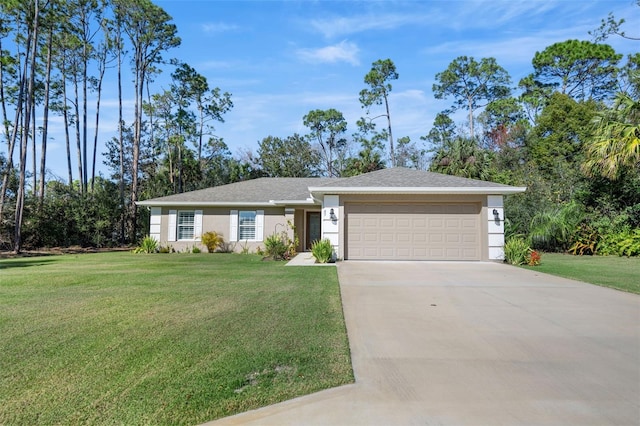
(25, 262)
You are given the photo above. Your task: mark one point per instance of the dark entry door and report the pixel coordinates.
(313, 228)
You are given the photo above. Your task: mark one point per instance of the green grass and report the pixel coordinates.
(621, 273)
(118, 338)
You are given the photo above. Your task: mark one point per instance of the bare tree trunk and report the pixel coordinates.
(85, 60)
(101, 67)
(45, 121)
(78, 140)
(34, 177)
(471, 129)
(67, 136)
(200, 132)
(391, 150)
(10, 138)
(121, 142)
(20, 197)
(137, 133)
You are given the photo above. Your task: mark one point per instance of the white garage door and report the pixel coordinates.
(443, 231)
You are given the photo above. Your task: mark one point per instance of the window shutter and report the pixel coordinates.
(173, 218)
(233, 220)
(155, 223)
(197, 224)
(259, 224)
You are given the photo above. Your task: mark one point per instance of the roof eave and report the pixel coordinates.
(417, 190)
(307, 202)
(151, 203)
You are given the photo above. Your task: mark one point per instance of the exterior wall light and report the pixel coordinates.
(496, 215)
(332, 215)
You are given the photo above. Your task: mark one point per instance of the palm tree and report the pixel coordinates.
(616, 140)
(462, 157)
(554, 229)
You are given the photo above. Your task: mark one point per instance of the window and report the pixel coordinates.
(247, 225)
(186, 225)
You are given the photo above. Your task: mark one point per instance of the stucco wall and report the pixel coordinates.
(217, 219)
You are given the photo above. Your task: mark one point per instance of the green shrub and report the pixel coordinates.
(244, 247)
(292, 245)
(623, 243)
(585, 241)
(275, 247)
(280, 246)
(196, 249)
(147, 245)
(322, 250)
(556, 229)
(212, 240)
(517, 251)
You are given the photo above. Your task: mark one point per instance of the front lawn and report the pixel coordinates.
(621, 273)
(118, 338)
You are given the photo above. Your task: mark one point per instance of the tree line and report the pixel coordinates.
(568, 131)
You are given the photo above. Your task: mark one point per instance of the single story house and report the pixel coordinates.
(390, 214)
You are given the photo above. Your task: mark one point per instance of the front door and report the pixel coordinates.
(313, 228)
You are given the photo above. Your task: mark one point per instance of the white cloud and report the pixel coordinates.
(215, 65)
(342, 52)
(341, 26)
(218, 27)
(513, 53)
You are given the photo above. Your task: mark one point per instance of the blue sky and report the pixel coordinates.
(281, 59)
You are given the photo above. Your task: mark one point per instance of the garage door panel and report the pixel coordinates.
(404, 238)
(370, 237)
(419, 224)
(370, 252)
(436, 253)
(403, 252)
(469, 238)
(436, 238)
(413, 231)
(402, 222)
(469, 223)
(435, 223)
(419, 253)
(418, 238)
(386, 237)
(453, 238)
(454, 223)
(386, 252)
(370, 222)
(470, 253)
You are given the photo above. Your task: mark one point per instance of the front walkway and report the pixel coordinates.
(306, 259)
(456, 343)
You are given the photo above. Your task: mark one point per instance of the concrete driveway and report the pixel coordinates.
(476, 344)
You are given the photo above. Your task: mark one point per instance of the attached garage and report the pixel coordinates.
(413, 231)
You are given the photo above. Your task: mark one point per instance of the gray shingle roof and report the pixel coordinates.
(264, 190)
(400, 177)
(260, 190)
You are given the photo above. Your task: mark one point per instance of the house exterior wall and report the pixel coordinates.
(218, 219)
(298, 221)
(485, 216)
(330, 223)
(495, 227)
(277, 219)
